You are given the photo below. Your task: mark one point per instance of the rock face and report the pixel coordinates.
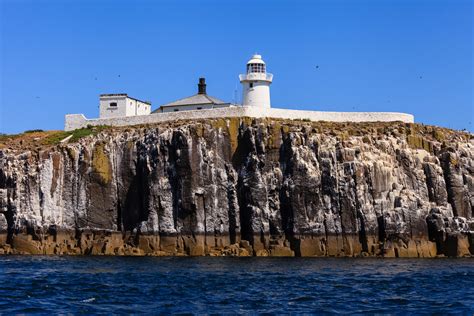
(243, 187)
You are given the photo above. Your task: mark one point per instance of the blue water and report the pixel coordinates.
(102, 285)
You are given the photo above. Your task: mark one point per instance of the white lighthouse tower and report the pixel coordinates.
(256, 83)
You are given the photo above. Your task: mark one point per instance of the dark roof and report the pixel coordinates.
(113, 95)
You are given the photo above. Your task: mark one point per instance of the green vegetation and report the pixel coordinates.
(55, 138)
(77, 134)
(33, 131)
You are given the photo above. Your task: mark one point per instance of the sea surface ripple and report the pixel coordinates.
(124, 285)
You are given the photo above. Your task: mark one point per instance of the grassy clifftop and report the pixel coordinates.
(32, 139)
(418, 136)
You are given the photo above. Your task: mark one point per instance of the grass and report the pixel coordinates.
(76, 134)
(9, 137)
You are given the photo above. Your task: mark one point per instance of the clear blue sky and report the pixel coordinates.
(405, 56)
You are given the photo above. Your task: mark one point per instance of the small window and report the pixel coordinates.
(199, 108)
(251, 85)
(113, 104)
(176, 110)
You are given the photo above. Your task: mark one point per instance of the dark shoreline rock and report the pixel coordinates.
(240, 187)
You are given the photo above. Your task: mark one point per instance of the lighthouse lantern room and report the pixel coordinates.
(256, 83)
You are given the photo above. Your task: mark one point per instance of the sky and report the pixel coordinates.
(413, 56)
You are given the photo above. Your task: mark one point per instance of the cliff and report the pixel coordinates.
(240, 186)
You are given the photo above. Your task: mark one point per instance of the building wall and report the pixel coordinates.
(75, 121)
(106, 111)
(125, 107)
(143, 108)
(135, 107)
(130, 109)
(258, 95)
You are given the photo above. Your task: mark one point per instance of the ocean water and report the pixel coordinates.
(104, 285)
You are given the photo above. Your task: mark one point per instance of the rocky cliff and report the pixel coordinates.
(241, 187)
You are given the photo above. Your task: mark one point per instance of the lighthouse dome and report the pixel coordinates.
(256, 59)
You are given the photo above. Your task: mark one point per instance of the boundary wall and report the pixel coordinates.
(75, 121)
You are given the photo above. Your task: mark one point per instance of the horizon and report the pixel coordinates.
(365, 56)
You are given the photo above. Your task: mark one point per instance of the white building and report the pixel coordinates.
(256, 83)
(198, 101)
(121, 105)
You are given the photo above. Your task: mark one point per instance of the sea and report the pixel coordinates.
(211, 285)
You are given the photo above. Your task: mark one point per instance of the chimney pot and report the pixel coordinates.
(202, 86)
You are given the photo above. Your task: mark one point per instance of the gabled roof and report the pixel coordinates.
(195, 100)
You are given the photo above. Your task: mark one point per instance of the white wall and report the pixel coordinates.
(75, 121)
(135, 107)
(143, 108)
(106, 111)
(130, 107)
(258, 95)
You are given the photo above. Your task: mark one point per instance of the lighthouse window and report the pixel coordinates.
(256, 68)
(251, 85)
(113, 104)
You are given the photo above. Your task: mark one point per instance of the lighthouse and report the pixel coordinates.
(256, 83)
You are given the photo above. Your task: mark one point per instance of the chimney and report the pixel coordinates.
(202, 86)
